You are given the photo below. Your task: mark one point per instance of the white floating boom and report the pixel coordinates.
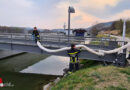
(99, 53)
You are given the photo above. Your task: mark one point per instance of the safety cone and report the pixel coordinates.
(1, 83)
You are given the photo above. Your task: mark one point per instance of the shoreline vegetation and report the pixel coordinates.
(94, 76)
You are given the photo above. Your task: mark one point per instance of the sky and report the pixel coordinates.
(52, 14)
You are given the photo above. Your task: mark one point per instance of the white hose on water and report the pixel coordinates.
(100, 53)
(117, 49)
(67, 48)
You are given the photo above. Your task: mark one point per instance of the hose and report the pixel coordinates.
(99, 53)
(117, 49)
(67, 48)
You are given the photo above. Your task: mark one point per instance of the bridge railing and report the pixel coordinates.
(60, 39)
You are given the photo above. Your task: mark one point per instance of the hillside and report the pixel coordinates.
(96, 77)
(115, 28)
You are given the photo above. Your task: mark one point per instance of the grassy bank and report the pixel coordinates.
(128, 35)
(96, 77)
(9, 72)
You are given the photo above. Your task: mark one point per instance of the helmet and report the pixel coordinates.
(72, 45)
(35, 28)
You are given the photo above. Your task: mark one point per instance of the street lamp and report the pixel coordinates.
(124, 30)
(70, 10)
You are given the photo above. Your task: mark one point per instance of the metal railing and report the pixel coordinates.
(59, 39)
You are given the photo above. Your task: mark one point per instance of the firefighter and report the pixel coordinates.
(36, 34)
(74, 61)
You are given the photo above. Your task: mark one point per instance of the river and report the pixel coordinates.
(37, 70)
(53, 65)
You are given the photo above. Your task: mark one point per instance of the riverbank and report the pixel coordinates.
(9, 72)
(7, 54)
(20, 62)
(96, 77)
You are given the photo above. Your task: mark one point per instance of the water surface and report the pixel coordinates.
(52, 65)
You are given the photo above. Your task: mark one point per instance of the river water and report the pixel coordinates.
(53, 65)
(28, 71)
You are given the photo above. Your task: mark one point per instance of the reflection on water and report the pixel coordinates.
(52, 65)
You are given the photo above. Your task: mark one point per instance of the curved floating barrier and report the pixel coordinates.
(67, 48)
(100, 53)
(51, 51)
(117, 49)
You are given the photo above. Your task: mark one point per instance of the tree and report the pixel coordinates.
(119, 25)
(5, 29)
(94, 31)
(128, 26)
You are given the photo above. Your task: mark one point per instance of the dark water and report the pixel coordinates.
(10, 68)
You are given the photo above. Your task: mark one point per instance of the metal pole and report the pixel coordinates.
(69, 25)
(11, 38)
(124, 30)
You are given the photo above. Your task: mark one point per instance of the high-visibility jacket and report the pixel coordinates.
(35, 32)
(73, 54)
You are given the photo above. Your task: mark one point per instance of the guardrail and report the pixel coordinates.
(60, 39)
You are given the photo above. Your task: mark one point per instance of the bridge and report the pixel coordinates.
(25, 43)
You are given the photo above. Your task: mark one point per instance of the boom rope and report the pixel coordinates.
(99, 53)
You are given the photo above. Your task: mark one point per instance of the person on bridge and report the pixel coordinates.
(36, 34)
(74, 60)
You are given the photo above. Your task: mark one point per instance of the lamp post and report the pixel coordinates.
(124, 31)
(70, 10)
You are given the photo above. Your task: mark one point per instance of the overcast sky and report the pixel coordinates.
(53, 13)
